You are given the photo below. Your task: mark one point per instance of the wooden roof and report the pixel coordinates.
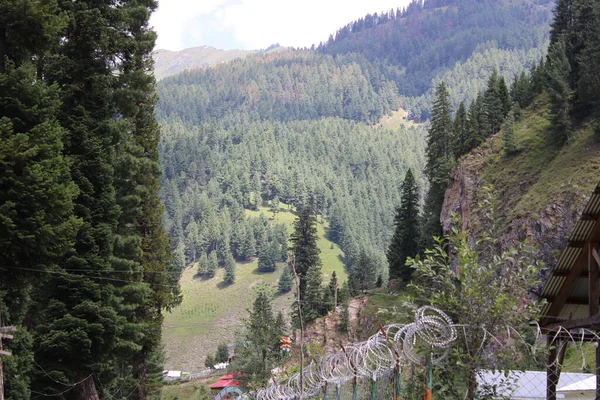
(573, 289)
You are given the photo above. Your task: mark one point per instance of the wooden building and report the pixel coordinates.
(573, 294)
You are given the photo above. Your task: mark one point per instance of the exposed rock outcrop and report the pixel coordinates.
(547, 223)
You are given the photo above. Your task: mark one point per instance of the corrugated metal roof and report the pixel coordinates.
(580, 235)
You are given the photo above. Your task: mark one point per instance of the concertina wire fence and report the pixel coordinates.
(373, 369)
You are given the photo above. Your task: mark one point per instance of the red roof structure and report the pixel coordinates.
(223, 382)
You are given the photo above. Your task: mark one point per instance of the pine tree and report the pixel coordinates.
(476, 123)
(209, 361)
(563, 17)
(285, 283)
(275, 204)
(213, 264)
(257, 352)
(266, 260)
(334, 288)
(405, 241)
(362, 274)
(312, 306)
(222, 354)
(460, 131)
(558, 70)
(280, 324)
(305, 252)
(203, 264)
(440, 160)
(493, 101)
(93, 317)
(588, 85)
(504, 96)
(229, 275)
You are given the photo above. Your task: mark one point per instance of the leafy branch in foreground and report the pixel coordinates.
(486, 292)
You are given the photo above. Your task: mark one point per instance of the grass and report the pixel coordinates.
(397, 118)
(211, 312)
(195, 390)
(541, 173)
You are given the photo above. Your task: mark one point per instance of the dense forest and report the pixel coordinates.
(340, 168)
(89, 256)
(301, 127)
(415, 44)
(86, 267)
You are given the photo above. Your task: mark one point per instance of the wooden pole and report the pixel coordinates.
(301, 327)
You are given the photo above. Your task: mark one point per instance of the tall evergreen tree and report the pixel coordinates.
(494, 103)
(304, 249)
(363, 274)
(440, 160)
(406, 240)
(460, 131)
(476, 123)
(257, 352)
(285, 283)
(563, 20)
(561, 94)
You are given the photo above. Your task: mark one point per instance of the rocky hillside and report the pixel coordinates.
(541, 190)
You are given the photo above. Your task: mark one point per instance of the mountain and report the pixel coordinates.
(167, 63)
(420, 44)
(310, 127)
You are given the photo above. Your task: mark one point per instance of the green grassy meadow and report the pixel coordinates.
(211, 313)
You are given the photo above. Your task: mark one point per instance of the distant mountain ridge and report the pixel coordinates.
(167, 62)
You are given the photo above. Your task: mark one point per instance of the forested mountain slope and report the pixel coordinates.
(541, 189)
(429, 37)
(260, 125)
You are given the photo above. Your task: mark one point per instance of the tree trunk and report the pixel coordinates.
(472, 386)
(140, 376)
(87, 390)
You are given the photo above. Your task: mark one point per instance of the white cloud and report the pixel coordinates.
(173, 15)
(258, 23)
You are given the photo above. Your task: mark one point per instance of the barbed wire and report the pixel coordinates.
(430, 335)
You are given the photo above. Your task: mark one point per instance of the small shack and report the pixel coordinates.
(223, 382)
(573, 295)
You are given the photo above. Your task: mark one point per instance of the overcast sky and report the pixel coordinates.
(256, 24)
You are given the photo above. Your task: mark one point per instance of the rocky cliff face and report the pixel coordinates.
(526, 209)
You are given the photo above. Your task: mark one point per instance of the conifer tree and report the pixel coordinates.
(406, 240)
(256, 352)
(558, 70)
(266, 260)
(504, 95)
(229, 275)
(440, 159)
(362, 274)
(222, 354)
(476, 123)
(312, 306)
(563, 17)
(305, 252)
(203, 264)
(213, 264)
(285, 281)
(494, 103)
(334, 287)
(460, 130)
